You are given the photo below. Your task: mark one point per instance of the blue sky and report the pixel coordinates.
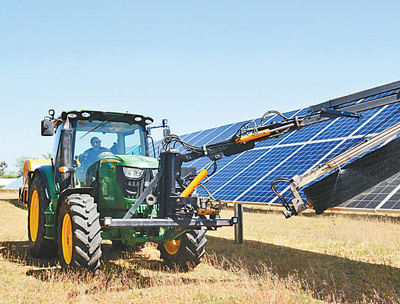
(200, 64)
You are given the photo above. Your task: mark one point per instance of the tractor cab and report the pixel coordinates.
(96, 140)
(85, 139)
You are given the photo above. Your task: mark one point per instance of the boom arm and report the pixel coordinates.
(251, 132)
(245, 138)
(349, 106)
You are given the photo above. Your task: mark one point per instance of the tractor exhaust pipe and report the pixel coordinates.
(65, 153)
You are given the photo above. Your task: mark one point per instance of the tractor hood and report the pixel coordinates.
(136, 161)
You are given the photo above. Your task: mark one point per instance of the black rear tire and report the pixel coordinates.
(79, 239)
(39, 246)
(186, 252)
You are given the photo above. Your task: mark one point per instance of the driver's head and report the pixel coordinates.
(95, 142)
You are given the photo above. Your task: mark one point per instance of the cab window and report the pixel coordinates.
(92, 138)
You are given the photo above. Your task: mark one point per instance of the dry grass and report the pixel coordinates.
(333, 258)
(339, 257)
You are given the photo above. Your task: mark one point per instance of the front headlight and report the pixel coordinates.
(135, 173)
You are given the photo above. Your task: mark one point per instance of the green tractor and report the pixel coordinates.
(101, 184)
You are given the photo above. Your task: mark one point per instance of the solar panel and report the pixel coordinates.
(247, 177)
(385, 196)
(359, 176)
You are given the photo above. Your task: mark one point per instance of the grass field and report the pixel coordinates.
(306, 259)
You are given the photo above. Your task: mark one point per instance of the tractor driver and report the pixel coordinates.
(92, 155)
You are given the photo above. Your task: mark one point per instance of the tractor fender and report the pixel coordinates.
(69, 191)
(46, 174)
(29, 168)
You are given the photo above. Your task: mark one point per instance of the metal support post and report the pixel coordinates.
(238, 209)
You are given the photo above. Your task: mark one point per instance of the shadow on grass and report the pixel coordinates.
(329, 277)
(119, 270)
(18, 252)
(332, 278)
(16, 203)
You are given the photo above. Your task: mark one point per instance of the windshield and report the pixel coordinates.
(95, 137)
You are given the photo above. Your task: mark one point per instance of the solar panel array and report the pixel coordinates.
(247, 177)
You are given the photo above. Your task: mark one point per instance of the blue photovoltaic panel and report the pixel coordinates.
(237, 177)
(309, 157)
(214, 134)
(306, 156)
(305, 134)
(390, 186)
(191, 140)
(388, 116)
(247, 177)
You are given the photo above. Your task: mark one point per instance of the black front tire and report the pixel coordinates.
(79, 239)
(186, 252)
(39, 246)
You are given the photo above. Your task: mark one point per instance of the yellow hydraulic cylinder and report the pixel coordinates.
(197, 180)
(252, 136)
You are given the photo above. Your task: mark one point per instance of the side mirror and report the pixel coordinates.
(47, 128)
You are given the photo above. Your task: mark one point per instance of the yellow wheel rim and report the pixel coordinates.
(67, 238)
(172, 246)
(34, 216)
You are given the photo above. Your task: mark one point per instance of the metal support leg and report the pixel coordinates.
(238, 209)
